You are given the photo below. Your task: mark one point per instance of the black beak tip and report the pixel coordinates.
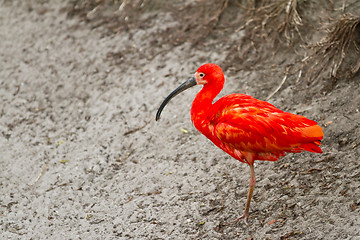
(158, 113)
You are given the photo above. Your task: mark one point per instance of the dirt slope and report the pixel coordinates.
(81, 156)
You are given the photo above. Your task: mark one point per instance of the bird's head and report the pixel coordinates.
(208, 75)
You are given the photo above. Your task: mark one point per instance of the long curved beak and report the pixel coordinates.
(187, 84)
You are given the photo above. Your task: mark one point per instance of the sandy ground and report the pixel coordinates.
(81, 156)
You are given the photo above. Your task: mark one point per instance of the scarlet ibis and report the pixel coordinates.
(246, 128)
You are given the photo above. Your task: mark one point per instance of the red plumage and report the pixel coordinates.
(249, 129)
(246, 128)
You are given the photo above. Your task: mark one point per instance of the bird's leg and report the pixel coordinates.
(250, 193)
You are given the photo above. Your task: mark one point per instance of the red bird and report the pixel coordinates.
(246, 128)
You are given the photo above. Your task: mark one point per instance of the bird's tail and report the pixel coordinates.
(313, 135)
(311, 147)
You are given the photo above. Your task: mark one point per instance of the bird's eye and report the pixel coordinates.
(201, 75)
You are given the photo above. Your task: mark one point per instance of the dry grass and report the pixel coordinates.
(267, 26)
(277, 20)
(338, 54)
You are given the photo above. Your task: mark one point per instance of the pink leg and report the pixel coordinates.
(250, 193)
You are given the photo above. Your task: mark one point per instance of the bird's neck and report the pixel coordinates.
(201, 107)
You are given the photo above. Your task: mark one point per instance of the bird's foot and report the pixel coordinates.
(243, 217)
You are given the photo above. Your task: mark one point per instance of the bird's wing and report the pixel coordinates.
(250, 125)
